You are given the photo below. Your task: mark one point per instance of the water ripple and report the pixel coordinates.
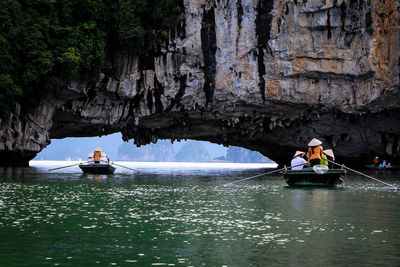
(161, 222)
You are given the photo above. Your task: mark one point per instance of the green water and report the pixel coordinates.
(188, 219)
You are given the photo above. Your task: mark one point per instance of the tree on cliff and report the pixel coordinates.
(44, 44)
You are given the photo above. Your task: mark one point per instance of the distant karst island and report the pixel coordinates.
(162, 151)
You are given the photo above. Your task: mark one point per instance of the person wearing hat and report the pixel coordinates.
(104, 158)
(376, 162)
(314, 153)
(97, 155)
(90, 157)
(324, 159)
(328, 153)
(298, 161)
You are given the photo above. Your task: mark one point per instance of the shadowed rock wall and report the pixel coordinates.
(265, 75)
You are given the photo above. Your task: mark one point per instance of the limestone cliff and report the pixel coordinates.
(266, 75)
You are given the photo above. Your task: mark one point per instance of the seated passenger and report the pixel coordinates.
(324, 160)
(329, 156)
(376, 162)
(298, 161)
(90, 157)
(383, 164)
(104, 158)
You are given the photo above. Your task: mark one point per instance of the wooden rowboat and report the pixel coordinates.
(307, 177)
(97, 168)
(373, 167)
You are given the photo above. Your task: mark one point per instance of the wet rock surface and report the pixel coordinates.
(265, 75)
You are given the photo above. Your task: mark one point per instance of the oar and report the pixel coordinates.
(113, 163)
(66, 166)
(251, 177)
(373, 178)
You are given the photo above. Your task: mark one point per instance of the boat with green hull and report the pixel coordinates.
(97, 168)
(308, 177)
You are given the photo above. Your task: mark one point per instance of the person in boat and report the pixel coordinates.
(324, 159)
(328, 153)
(104, 158)
(97, 155)
(383, 164)
(314, 154)
(298, 161)
(388, 165)
(376, 162)
(90, 157)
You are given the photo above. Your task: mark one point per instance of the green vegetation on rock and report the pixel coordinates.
(44, 43)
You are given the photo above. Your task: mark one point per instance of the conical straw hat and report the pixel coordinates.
(329, 152)
(103, 154)
(97, 149)
(90, 155)
(314, 142)
(298, 152)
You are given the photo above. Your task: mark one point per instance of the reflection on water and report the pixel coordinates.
(184, 216)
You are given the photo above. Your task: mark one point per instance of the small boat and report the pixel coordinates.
(374, 167)
(309, 177)
(97, 168)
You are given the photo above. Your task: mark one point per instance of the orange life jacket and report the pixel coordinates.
(96, 155)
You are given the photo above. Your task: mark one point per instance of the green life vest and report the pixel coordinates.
(324, 160)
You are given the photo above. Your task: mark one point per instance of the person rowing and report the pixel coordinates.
(97, 155)
(314, 154)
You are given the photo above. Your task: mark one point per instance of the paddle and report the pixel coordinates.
(67, 166)
(251, 177)
(113, 163)
(362, 174)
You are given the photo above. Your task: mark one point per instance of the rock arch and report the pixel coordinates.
(264, 76)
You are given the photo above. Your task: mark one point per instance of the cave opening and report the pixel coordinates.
(164, 150)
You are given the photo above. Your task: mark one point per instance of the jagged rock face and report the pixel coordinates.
(22, 138)
(265, 75)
